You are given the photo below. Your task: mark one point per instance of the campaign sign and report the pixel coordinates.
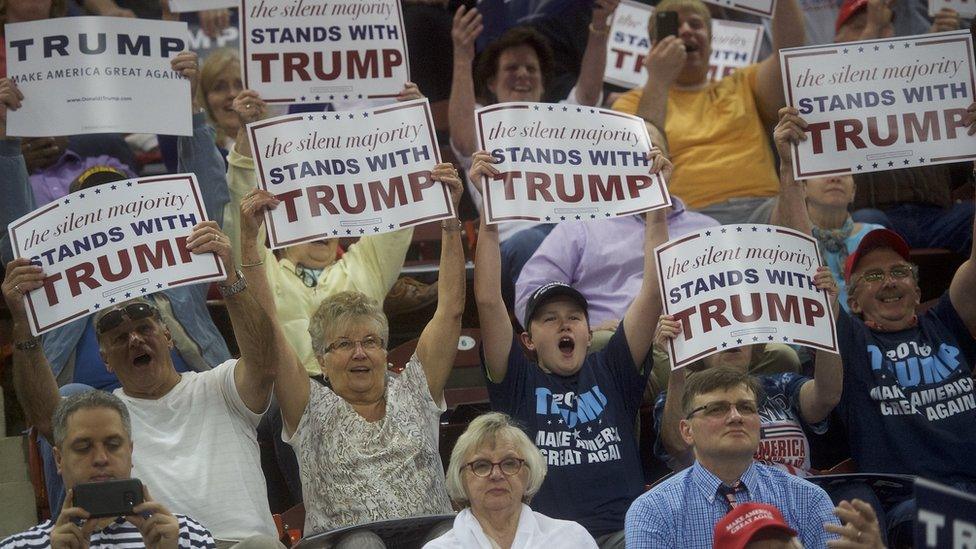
(946, 517)
(738, 285)
(965, 8)
(763, 8)
(566, 162)
(350, 173)
(881, 104)
(177, 6)
(628, 45)
(97, 75)
(734, 45)
(106, 244)
(315, 51)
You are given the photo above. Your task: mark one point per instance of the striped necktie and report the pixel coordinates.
(728, 493)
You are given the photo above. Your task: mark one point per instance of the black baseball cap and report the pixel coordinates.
(548, 291)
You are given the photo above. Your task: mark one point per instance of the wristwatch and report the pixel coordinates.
(28, 344)
(236, 287)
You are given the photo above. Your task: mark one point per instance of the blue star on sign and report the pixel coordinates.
(98, 191)
(708, 233)
(738, 342)
(82, 195)
(111, 300)
(159, 286)
(392, 226)
(113, 187)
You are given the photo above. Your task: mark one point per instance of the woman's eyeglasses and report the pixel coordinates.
(483, 467)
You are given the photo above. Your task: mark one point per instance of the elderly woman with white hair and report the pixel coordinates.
(494, 472)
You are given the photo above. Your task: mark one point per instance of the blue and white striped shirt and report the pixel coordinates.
(683, 510)
(120, 533)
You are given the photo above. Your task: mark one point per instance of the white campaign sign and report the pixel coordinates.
(965, 8)
(762, 8)
(97, 75)
(734, 45)
(178, 6)
(317, 51)
(628, 45)
(106, 244)
(349, 173)
(739, 285)
(564, 162)
(881, 104)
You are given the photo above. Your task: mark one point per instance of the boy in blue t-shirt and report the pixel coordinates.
(579, 410)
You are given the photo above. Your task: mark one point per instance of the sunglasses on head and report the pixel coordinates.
(134, 311)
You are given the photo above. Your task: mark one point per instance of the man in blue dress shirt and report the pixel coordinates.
(722, 426)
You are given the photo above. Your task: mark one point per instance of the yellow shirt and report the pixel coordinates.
(717, 140)
(370, 266)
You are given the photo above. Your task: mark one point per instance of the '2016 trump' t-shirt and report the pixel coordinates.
(908, 399)
(583, 425)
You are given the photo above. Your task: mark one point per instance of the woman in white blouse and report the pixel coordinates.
(494, 471)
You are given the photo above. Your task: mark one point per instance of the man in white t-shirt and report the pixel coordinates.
(196, 431)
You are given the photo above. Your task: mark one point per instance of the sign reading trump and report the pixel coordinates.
(881, 104)
(351, 173)
(317, 51)
(738, 285)
(97, 74)
(106, 244)
(566, 162)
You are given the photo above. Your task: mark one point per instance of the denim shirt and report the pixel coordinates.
(197, 154)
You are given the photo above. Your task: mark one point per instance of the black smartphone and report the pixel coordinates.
(453, 5)
(665, 24)
(112, 498)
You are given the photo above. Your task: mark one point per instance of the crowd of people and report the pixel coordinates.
(572, 323)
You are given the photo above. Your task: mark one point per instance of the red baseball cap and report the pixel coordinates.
(878, 238)
(741, 525)
(847, 10)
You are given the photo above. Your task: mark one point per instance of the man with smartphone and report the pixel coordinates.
(93, 450)
(716, 133)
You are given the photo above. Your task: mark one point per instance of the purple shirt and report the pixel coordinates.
(52, 182)
(603, 259)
